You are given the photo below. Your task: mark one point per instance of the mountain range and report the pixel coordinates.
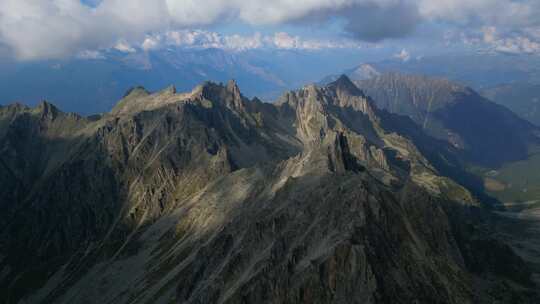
(478, 71)
(210, 197)
(489, 134)
(511, 81)
(496, 144)
(93, 85)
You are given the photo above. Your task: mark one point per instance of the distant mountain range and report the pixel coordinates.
(511, 81)
(477, 71)
(93, 85)
(210, 197)
(490, 134)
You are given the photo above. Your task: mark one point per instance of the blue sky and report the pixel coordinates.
(91, 3)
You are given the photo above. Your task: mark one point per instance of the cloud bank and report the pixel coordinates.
(205, 39)
(37, 29)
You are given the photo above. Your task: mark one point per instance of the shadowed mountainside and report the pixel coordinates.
(521, 97)
(208, 197)
(489, 134)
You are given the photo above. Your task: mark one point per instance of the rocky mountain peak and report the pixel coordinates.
(170, 90)
(364, 71)
(137, 90)
(232, 87)
(344, 86)
(234, 90)
(343, 82)
(228, 95)
(47, 110)
(139, 99)
(16, 106)
(225, 201)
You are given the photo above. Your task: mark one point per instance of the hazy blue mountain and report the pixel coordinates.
(474, 70)
(521, 97)
(90, 86)
(361, 72)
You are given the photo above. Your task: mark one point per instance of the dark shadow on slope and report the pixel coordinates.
(447, 160)
(71, 210)
(492, 133)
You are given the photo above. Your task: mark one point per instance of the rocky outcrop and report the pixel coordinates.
(208, 197)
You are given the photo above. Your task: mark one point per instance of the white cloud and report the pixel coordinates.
(403, 55)
(124, 46)
(35, 29)
(205, 39)
(491, 39)
(490, 33)
(151, 43)
(89, 54)
(515, 45)
(238, 42)
(283, 40)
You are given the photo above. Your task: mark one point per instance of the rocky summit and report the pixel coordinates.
(209, 197)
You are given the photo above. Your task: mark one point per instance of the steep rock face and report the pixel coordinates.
(392, 146)
(114, 174)
(339, 117)
(32, 141)
(207, 197)
(489, 134)
(349, 251)
(411, 95)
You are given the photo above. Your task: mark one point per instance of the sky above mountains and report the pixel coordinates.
(56, 29)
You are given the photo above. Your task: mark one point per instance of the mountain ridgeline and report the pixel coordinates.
(488, 134)
(208, 197)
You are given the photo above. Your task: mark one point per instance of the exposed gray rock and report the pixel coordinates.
(208, 197)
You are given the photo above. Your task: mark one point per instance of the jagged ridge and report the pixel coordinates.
(210, 197)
